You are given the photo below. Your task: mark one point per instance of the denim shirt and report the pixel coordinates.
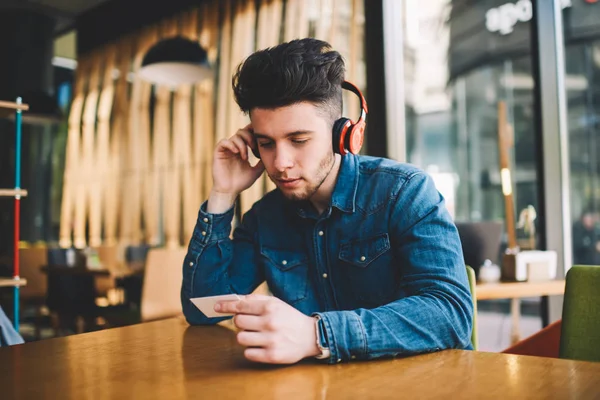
(382, 266)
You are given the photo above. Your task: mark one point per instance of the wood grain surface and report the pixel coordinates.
(169, 359)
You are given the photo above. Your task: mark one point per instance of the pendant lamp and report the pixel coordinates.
(175, 61)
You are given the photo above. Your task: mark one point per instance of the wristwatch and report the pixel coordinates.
(322, 342)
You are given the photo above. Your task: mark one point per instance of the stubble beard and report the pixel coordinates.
(305, 193)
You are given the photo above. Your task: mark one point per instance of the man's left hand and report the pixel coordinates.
(273, 331)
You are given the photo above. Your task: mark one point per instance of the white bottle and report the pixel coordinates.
(489, 272)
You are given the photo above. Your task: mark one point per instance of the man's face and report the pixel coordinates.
(295, 146)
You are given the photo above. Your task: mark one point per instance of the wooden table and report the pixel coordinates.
(65, 270)
(515, 291)
(169, 360)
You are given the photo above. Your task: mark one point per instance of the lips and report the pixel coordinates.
(289, 183)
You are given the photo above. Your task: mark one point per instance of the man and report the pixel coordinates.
(360, 253)
(586, 239)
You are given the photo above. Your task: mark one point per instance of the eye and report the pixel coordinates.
(265, 144)
(299, 141)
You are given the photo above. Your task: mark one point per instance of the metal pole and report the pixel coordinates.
(17, 213)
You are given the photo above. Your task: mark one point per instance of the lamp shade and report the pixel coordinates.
(175, 61)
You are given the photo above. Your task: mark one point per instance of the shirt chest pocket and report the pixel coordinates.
(286, 272)
(362, 252)
(367, 268)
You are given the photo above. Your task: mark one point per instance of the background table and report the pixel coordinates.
(515, 291)
(170, 360)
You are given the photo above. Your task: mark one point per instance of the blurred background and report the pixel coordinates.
(117, 167)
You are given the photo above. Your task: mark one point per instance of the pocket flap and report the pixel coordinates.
(361, 252)
(284, 259)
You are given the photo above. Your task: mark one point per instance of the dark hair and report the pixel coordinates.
(290, 73)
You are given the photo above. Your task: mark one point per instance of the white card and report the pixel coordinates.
(207, 304)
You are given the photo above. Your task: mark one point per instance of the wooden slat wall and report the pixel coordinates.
(129, 180)
(87, 174)
(243, 45)
(101, 166)
(117, 144)
(72, 156)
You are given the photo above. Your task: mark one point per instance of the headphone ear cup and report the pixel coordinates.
(340, 127)
(355, 137)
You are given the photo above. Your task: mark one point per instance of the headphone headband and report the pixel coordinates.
(363, 103)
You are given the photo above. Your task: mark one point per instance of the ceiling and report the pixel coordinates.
(65, 11)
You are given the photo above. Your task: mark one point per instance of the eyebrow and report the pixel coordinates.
(287, 135)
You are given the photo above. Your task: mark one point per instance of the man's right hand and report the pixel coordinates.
(232, 172)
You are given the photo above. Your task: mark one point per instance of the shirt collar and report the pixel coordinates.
(344, 194)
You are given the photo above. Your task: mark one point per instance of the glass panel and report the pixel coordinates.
(583, 90)
(462, 58)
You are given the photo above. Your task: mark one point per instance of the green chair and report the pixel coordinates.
(580, 332)
(472, 283)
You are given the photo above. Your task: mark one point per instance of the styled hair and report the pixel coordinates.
(298, 71)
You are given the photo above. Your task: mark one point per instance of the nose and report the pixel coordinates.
(283, 159)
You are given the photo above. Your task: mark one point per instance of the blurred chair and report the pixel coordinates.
(480, 241)
(577, 335)
(472, 287)
(32, 259)
(162, 284)
(580, 333)
(108, 256)
(544, 343)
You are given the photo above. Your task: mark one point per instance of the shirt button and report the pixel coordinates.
(362, 258)
(325, 276)
(191, 264)
(284, 262)
(205, 220)
(203, 233)
(321, 233)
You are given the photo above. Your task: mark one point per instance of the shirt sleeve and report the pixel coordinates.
(437, 311)
(215, 264)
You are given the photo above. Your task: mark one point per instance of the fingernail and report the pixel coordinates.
(217, 307)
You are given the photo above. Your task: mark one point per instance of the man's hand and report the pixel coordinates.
(273, 331)
(232, 172)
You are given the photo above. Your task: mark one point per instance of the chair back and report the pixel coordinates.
(580, 332)
(31, 261)
(472, 287)
(161, 290)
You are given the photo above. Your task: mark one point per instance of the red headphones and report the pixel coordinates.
(348, 135)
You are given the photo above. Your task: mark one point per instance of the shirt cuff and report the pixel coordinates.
(213, 227)
(346, 335)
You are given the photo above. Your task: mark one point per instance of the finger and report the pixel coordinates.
(248, 322)
(258, 168)
(241, 145)
(252, 305)
(248, 137)
(226, 144)
(263, 355)
(253, 339)
(256, 355)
